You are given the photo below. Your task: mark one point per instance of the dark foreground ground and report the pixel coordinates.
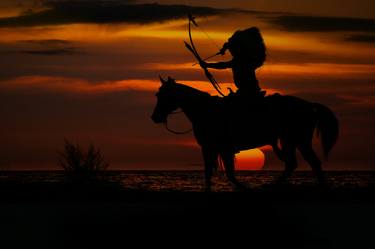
(107, 215)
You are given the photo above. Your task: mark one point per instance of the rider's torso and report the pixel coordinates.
(244, 77)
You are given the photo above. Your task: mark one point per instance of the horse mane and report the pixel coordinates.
(192, 90)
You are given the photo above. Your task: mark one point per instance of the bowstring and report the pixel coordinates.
(201, 29)
(209, 37)
(213, 81)
(187, 3)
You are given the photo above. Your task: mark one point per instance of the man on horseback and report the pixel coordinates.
(246, 105)
(245, 119)
(249, 53)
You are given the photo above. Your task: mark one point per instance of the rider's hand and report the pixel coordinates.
(203, 64)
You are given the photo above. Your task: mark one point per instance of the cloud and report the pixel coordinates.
(47, 47)
(361, 38)
(329, 70)
(118, 11)
(54, 52)
(301, 23)
(50, 84)
(292, 56)
(75, 85)
(46, 42)
(103, 12)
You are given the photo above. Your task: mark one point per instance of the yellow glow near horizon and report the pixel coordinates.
(250, 160)
(318, 70)
(288, 69)
(76, 85)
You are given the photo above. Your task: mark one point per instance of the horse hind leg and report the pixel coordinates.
(312, 159)
(278, 152)
(290, 159)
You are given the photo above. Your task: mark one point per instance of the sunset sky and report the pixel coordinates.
(87, 71)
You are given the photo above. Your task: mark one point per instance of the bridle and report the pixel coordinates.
(176, 132)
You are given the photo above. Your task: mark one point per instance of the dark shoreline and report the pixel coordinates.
(57, 189)
(108, 215)
(60, 193)
(120, 186)
(136, 219)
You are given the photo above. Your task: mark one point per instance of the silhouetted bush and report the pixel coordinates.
(81, 166)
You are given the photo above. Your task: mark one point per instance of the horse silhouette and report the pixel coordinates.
(223, 127)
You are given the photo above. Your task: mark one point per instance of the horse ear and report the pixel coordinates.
(171, 80)
(163, 81)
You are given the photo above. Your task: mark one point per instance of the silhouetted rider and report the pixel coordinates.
(249, 53)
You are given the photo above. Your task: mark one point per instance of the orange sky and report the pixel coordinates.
(90, 81)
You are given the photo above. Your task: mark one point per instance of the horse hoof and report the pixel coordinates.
(323, 185)
(241, 187)
(207, 189)
(280, 181)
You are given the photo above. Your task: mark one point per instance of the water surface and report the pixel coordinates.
(193, 181)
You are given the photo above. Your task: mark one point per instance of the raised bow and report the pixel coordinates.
(191, 47)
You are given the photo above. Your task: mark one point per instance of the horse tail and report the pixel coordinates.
(327, 127)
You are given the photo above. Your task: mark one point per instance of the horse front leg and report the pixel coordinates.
(210, 157)
(279, 153)
(228, 160)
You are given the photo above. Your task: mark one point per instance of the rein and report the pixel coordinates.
(176, 132)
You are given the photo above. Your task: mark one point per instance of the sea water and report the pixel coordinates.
(193, 181)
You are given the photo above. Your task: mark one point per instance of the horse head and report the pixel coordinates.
(166, 101)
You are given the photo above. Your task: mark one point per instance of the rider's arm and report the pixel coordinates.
(219, 65)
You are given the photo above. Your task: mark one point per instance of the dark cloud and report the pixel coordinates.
(55, 51)
(46, 42)
(275, 55)
(126, 11)
(44, 47)
(300, 23)
(361, 38)
(258, 13)
(102, 12)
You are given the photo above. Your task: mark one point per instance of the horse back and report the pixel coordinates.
(249, 123)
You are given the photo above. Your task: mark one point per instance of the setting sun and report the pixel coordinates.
(250, 160)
